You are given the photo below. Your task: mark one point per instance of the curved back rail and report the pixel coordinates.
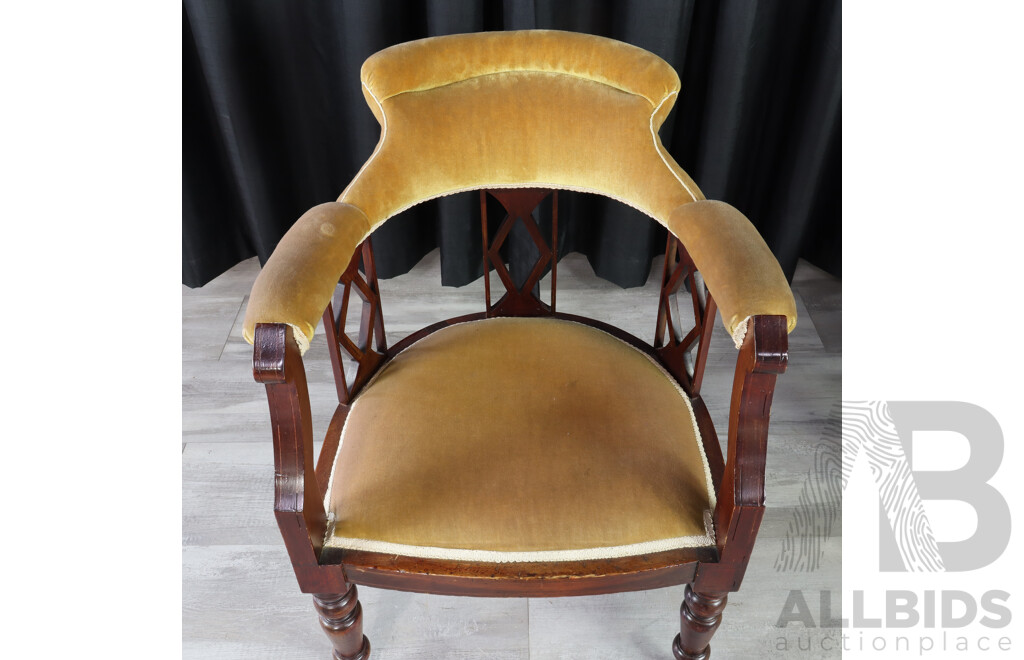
(681, 350)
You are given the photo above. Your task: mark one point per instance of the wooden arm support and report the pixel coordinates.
(298, 502)
(740, 506)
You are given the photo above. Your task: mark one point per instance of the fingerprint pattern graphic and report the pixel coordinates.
(819, 502)
(868, 428)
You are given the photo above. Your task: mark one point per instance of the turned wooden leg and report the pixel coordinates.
(700, 616)
(341, 617)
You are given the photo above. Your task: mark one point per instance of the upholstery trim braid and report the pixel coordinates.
(661, 149)
(535, 108)
(494, 556)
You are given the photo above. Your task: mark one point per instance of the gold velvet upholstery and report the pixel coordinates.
(515, 439)
(536, 108)
(500, 125)
(745, 285)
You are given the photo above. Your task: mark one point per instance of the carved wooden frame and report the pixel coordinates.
(709, 573)
(368, 353)
(684, 353)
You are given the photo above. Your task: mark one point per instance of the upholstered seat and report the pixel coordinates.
(444, 451)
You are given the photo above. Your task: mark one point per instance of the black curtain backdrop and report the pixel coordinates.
(274, 122)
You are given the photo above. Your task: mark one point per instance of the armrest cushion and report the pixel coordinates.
(740, 270)
(299, 279)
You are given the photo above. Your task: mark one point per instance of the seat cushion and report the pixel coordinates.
(520, 439)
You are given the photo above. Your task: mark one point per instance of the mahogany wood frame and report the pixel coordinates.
(709, 573)
(683, 353)
(368, 357)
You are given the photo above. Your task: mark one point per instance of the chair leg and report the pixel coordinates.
(341, 617)
(700, 616)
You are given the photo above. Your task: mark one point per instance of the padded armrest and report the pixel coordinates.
(740, 270)
(298, 280)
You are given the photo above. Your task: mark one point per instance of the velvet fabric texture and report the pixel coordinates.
(479, 422)
(534, 108)
(306, 269)
(745, 285)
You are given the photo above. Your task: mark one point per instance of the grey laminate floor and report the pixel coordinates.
(240, 599)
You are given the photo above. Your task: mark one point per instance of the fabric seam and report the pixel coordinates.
(496, 73)
(380, 145)
(654, 139)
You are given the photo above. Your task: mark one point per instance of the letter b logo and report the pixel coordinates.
(883, 431)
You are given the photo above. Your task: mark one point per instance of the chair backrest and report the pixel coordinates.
(534, 109)
(531, 109)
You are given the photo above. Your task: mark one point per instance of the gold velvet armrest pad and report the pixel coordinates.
(740, 270)
(298, 280)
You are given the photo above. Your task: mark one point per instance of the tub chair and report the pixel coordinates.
(520, 451)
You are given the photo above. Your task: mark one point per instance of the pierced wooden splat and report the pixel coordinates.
(683, 349)
(519, 204)
(369, 349)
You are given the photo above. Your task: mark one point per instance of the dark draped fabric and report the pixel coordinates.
(274, 122)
